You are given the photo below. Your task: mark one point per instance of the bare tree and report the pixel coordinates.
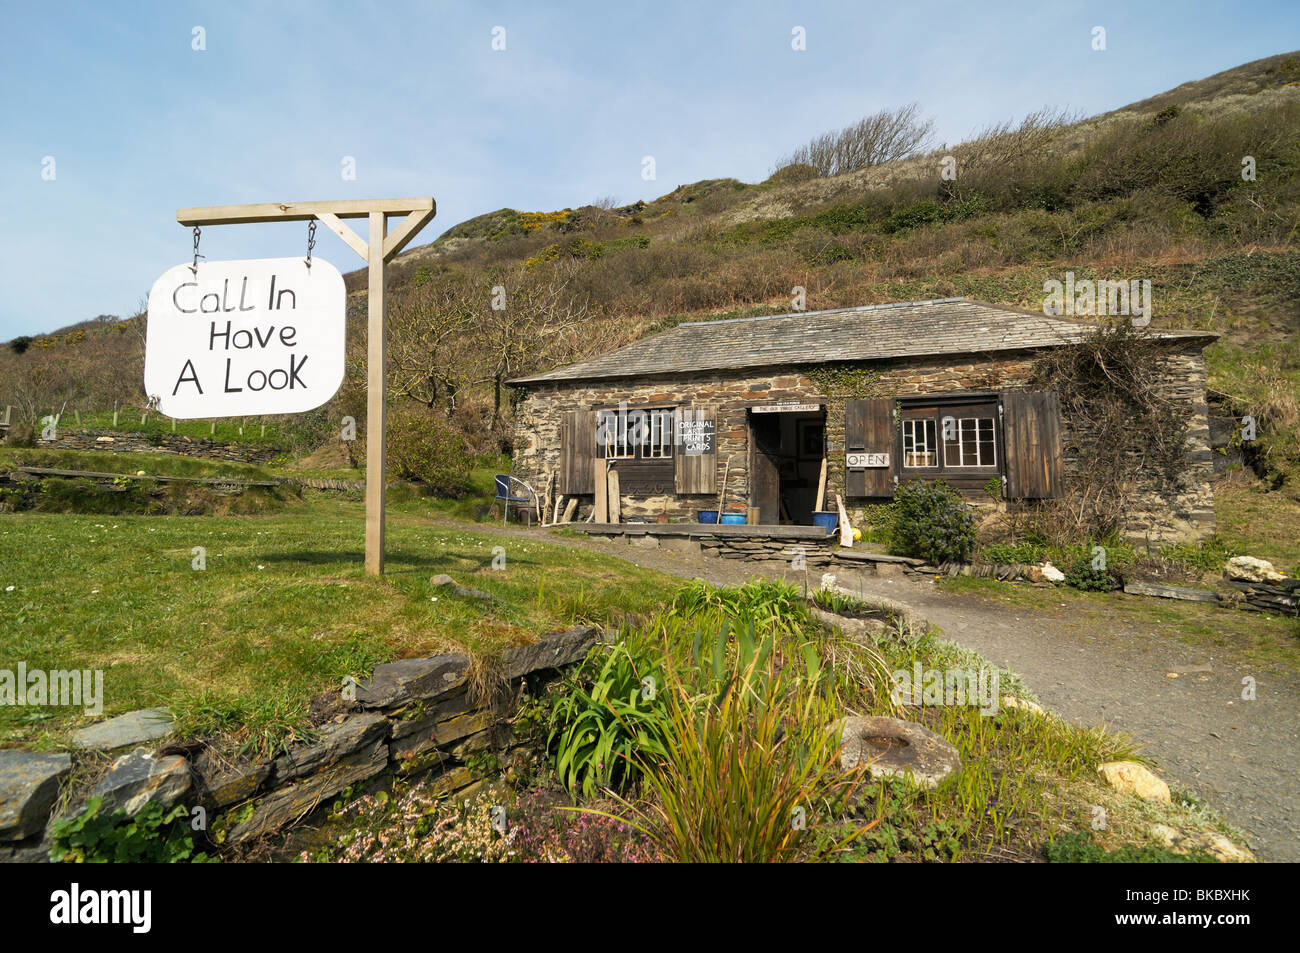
(881, 137)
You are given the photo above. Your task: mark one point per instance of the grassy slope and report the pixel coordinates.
(282, 610)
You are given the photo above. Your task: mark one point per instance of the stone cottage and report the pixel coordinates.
(931, 390)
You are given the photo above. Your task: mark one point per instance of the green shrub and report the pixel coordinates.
(1003, 554)
(1081, 575)
(765, 604)
(155, 835)
(1209, 555)
(1080, 848)
(933, 523)
(746, 758)
(425, 447)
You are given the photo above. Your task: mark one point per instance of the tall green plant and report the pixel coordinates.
(749, 760)
(603, 720)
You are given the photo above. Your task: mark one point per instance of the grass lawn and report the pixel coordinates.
(1256, 521)
(282, 611)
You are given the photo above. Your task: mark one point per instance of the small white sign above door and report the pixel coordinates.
(784, 408)
(860, 460)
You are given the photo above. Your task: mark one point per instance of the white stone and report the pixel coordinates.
(1129, 777)
(1051, 573)
(1250, 569)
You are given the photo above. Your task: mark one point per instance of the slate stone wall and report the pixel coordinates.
(413, 717)
(116, 442)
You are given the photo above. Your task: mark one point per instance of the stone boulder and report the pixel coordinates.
(1129, 777)
(29, 785)
(893, 748)
(1250, 569)
(125, 731)
(139, 778)
(413, 679)
(1051, 573)
(551, 651)
(223, 783)
(1211, 842)
(336, 742)
(351, 754)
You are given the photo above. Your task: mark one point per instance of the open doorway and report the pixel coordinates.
(786, 448)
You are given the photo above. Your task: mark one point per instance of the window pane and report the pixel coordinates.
(919, 446)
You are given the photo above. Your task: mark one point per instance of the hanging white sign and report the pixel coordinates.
(245, 337)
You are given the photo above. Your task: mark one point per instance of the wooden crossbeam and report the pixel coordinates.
(299, 211)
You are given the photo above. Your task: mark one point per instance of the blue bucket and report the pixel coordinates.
(826, 520)
(708, 516)
(733, 518)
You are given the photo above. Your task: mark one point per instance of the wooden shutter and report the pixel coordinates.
(1031, 427)
(577, 452)
(869, 425)
(697, 473)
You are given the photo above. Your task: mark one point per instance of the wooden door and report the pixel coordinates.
(764, 471)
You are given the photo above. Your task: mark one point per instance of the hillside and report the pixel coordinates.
(1153, 190)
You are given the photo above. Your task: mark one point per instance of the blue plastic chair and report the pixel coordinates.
(504, 481)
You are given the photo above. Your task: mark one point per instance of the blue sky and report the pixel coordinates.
(139, 123)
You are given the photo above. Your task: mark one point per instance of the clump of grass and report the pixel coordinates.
(745, 763)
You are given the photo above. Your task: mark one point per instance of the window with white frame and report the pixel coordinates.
(920, 448)
(969, 442)
(636, 434)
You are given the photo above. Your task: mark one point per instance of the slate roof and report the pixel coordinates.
(871, 332)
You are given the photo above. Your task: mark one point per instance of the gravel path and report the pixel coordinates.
(1241, 757)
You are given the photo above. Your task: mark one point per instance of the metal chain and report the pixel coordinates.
(311, 240)
(195, 267)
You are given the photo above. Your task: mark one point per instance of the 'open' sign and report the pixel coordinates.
(861, 460)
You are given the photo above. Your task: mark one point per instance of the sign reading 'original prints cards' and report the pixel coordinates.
(698, 435)
(245, 337)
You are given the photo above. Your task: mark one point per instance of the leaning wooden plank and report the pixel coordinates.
(615, 507)
(601, 511)
(846, 531)
(569, 509)
(1170, 592)
(821, 488)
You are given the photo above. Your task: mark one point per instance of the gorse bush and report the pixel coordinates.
(933, 523)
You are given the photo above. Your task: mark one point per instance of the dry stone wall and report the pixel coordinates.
(117, 442)
(412, 717)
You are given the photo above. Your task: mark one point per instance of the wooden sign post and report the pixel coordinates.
(376, 252)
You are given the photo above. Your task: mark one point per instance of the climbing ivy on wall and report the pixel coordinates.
(845, 380)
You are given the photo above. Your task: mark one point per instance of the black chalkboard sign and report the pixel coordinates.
(698, 436)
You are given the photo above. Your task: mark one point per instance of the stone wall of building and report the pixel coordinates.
(1184, 512)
